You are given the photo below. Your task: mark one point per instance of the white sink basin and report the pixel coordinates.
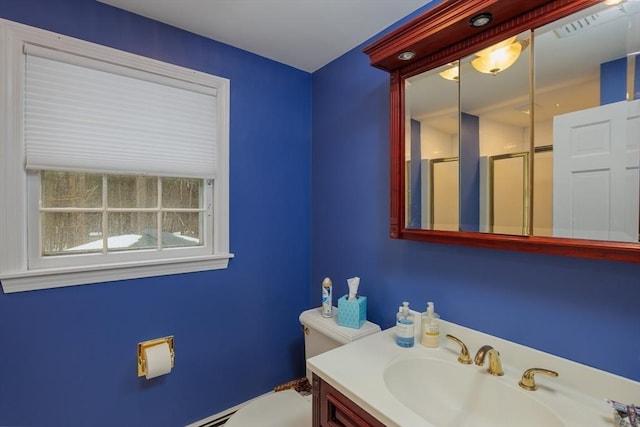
(427, 387)
(449, 394)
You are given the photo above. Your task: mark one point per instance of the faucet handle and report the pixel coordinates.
(528, 382)
(464, 351)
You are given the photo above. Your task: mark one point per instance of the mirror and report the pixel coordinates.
(494, 141)
(431, 150)
(585, 110)
(538, 153)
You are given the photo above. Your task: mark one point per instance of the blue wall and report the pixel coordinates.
(580, 309)
(68, 356)
(469, 172)
(415, 174)
(613, 80)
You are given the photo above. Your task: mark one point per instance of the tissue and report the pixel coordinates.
(353, 284)
(158, 359)
(352, 308)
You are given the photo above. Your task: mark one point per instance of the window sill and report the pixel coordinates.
(61, 277)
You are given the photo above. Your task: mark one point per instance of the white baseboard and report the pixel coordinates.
(223, 414)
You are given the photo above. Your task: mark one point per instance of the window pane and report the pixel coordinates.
(128, 226)
(71, 232)
(132, 230)
(181, 193)
(125, 191)
(71, 189)
(182, 229)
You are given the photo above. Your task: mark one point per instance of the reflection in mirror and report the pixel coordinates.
(444, 188)
(581, 178)
(431, 149)
(587, 108)
(542, 191)
(494, 138)
(507, 196)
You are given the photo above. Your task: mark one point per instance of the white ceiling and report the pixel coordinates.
(305, 34)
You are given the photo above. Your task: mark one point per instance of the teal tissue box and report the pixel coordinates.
(352, 314)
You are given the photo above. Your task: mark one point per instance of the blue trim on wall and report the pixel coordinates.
(469, 172)
(613, 80)
(415, 207)
(68, 355)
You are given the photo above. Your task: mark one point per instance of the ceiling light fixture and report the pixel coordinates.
(480, 20)
(500, 56)
(407, 55)
(452, 73)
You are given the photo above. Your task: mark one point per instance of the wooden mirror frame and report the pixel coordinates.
(442, 35)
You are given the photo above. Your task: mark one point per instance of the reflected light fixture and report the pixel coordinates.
(499, 57)
(452, 73)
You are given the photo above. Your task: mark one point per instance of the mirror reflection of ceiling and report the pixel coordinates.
(572, 48)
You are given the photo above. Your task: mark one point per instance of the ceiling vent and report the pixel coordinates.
(590, 21)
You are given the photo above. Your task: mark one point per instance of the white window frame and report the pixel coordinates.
(18, 204)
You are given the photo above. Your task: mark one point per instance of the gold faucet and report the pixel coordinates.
(528, 382)
(464, 352)
(495, 366)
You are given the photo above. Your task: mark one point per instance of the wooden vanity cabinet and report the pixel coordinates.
(333, 409)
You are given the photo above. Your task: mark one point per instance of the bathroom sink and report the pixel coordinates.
(449, 394)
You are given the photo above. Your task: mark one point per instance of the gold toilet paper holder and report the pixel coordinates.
(142, 346)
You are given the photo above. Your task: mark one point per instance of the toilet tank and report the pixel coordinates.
(323, 334)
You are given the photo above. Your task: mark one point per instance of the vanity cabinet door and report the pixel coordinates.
(332, 409)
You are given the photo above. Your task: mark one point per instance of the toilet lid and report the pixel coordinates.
(329, 326)
(281, 409)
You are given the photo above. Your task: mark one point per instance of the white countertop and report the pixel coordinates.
(577, 395)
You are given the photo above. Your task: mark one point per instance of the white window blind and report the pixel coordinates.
(87, 115)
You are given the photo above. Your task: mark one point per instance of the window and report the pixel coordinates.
(91, 213)
(115, 166)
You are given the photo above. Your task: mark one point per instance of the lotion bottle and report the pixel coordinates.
(405, 326)
(430, 334)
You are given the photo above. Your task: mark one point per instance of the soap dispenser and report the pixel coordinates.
(430, 334)
(405, 326)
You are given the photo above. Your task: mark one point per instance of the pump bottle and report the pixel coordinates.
(430, 334)
(405, 326)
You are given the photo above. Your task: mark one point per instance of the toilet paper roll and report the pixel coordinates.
(158, 360)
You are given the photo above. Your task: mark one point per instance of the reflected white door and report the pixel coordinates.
(596, 179)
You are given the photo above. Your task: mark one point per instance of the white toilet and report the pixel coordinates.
(288, 408)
